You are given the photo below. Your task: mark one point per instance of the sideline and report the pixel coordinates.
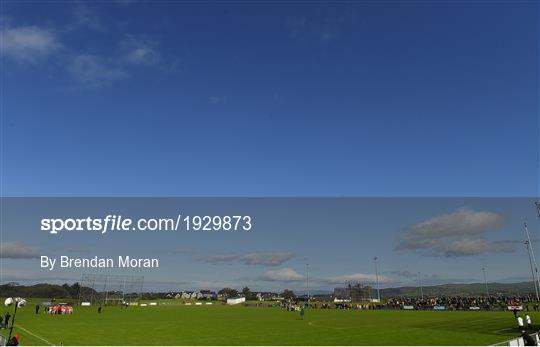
(34, 335)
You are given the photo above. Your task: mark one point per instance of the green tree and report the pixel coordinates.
(75, 289)
(248, 294)
(288, 294)
(228, 292)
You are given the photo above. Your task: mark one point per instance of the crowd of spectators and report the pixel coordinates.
(462, 302)
(494, 302)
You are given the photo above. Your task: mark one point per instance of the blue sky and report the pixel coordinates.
(425, 99)
(415, 99)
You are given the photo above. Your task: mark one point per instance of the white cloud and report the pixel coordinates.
(143, 56)
(269, 259)
(463, 222)
(467, 247)
(455, 234)
(28, 44)
(282, 275)
(87, 17)
(140, 51)
(32, 44)
(16, 250)
(93, 72)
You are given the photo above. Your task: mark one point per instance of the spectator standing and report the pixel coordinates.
(520, 323)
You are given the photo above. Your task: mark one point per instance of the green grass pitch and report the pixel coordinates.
(170, 324)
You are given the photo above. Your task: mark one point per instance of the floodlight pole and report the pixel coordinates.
(106, 289)
(485, 281)
(377, 279)
(124, 291)
(532, 270)
(537, 204)
(533, 259)
(307, 281)
(420, 284)
(13, 321)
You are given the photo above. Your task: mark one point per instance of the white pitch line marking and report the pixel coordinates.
(34, 335)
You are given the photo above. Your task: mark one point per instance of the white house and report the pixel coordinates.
(185, 295)
(263, 296)
(196, 295)
(235, 301)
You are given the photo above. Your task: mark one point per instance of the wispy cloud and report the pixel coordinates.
(455, 234)
(466, 247)
(216, 99)
(183, 250)
(282, 275)
(93, 72)
(88, 66)
(77, 249)
(315, 29)
(88, 18)
(327, 36)
(28, 44)
(140, 51)
(16, 250)
(401, 273)
(463, 222)
(269, 259)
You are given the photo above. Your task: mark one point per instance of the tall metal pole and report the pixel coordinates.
(531, 249)
(420, 284)
(124, 291)
(13, 321)
(307, 281)
(537, 204)
(106, 289)
(377, 279)
(532, 270)
(485, 281)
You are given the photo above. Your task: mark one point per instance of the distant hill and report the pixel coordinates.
(470, 289)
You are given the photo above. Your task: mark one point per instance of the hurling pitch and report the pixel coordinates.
(176, 324)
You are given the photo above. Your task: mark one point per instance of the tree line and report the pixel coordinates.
(41, 290)
(66, 291)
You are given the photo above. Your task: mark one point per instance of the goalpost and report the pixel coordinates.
(110, 289)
